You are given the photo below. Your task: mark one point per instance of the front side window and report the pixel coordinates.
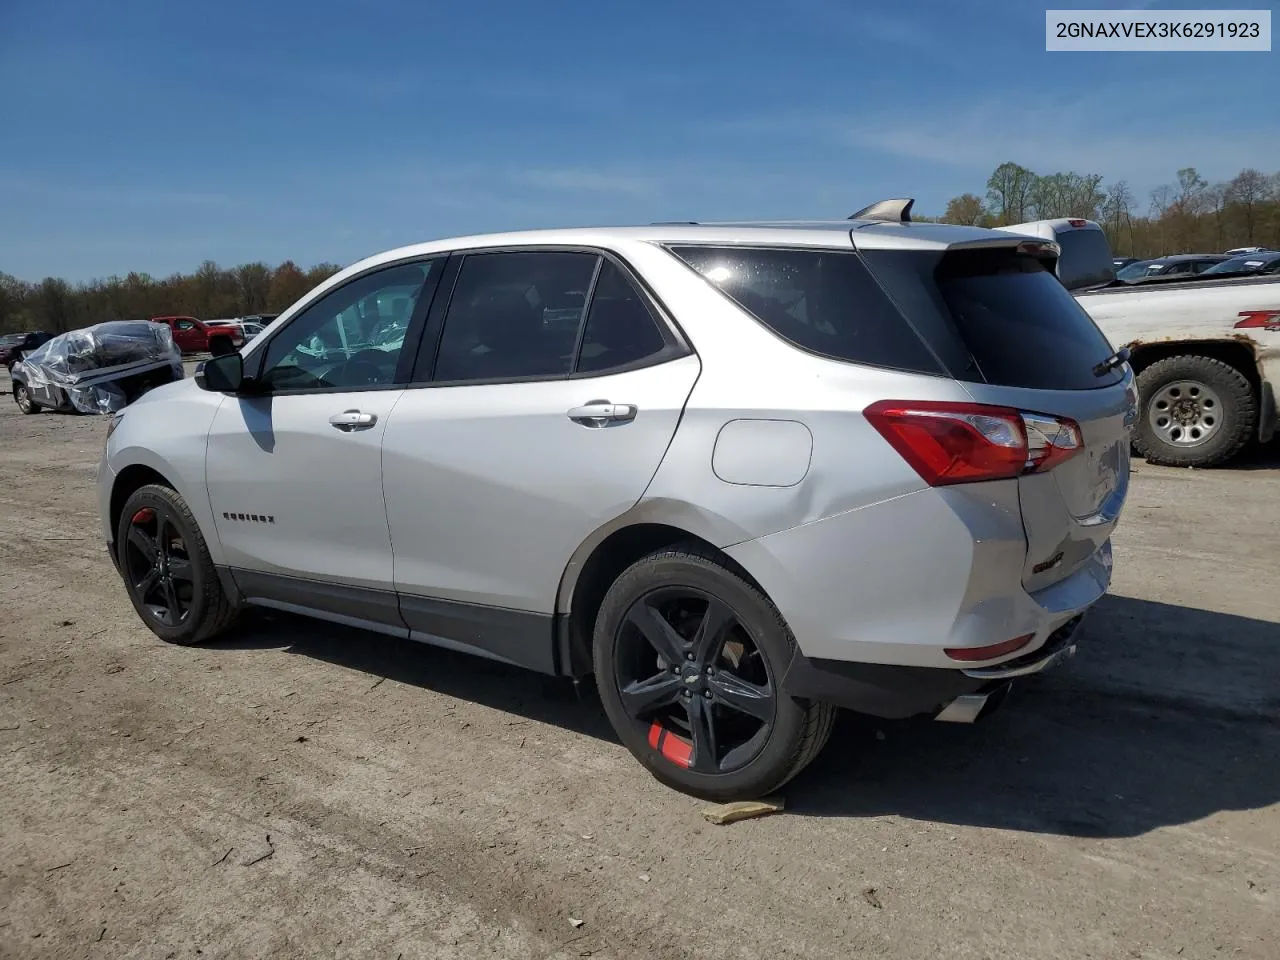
(352, 337)
(184, 324)
(515, 314)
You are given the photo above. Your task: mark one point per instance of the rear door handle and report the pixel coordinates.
(351, 420)
(599, 412)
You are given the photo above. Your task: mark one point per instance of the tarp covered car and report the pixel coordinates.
(100, 369)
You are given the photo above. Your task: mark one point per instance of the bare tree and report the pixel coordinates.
(1161, 202)
(1117, 211)
(1009, 193)
(1246, 190)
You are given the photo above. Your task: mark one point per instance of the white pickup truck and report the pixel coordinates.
(1206, 352)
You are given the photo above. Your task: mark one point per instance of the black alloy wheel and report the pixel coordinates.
(692, 678)
(689, 657)
(157, 567)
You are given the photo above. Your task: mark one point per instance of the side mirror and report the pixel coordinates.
(222, 374)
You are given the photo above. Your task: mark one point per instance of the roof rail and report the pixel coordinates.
(674, 223)
(891, 211)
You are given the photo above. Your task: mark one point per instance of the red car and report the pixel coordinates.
(196, 336)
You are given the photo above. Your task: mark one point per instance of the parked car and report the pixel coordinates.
(1081, 262)
(99, 369)
(770, 470)
(247, 328)
(1236, 251)
(196, 336)
(14, 345)
(1182, 263)
(1260, 263)
(250, 329)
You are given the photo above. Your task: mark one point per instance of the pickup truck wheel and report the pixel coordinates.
(22, 397)
(1195, 412)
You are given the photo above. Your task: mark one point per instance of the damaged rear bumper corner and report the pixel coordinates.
(899, 692)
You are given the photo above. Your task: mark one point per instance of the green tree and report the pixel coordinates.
(966, 209)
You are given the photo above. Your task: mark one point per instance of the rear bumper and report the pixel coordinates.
(897, 692)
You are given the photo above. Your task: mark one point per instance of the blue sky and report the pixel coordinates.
(142, 135)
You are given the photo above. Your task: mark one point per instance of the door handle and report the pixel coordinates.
(599, 412)
(350, 420)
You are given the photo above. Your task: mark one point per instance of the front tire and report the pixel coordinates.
(1195, 412)
(22, 397)
(167, 570)
(689, 660)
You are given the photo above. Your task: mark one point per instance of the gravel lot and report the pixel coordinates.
(311, 791)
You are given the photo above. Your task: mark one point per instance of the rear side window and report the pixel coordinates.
(515, 314)
(1020, 324)
(823, 301)
(1086, 259)
(621, 330)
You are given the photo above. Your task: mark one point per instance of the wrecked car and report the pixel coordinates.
(99, 369)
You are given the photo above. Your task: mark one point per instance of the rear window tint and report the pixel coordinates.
(823, 301)
(1020, 324)
(1086, 259)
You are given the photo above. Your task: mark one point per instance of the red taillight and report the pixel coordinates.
(1078, 223)
(948, 443)
(1050, 440)
(1004, 648)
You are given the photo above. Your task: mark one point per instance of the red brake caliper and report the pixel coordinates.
(145, 515)
(676, 749)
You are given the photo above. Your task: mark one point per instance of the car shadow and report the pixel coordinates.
(1167, 715)
(554, 700)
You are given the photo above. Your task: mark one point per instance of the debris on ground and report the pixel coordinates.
(264, 855)
(576, 923)
(726, 813)
(869, 895)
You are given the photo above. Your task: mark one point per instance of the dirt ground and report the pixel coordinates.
(311, 791)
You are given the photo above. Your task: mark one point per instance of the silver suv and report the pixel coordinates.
(742, 473)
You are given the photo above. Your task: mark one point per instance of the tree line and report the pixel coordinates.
(1189, 215)
(212, 292)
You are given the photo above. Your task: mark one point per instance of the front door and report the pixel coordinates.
(295, 475)
(532, 434)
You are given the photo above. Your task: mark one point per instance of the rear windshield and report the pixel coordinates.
(823, 301)
(1020, 325)
(1086, 259)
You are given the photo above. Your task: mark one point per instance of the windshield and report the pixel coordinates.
(1022, 328)
(1136, 271)
(1086, 259)
(9, 339)
(1249, 263)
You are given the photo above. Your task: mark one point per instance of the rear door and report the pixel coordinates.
(555, 391)
(1036, 350)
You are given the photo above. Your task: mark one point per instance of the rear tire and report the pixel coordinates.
(167, 570)
(22, 397)
(724, 680)
(1194, 412)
